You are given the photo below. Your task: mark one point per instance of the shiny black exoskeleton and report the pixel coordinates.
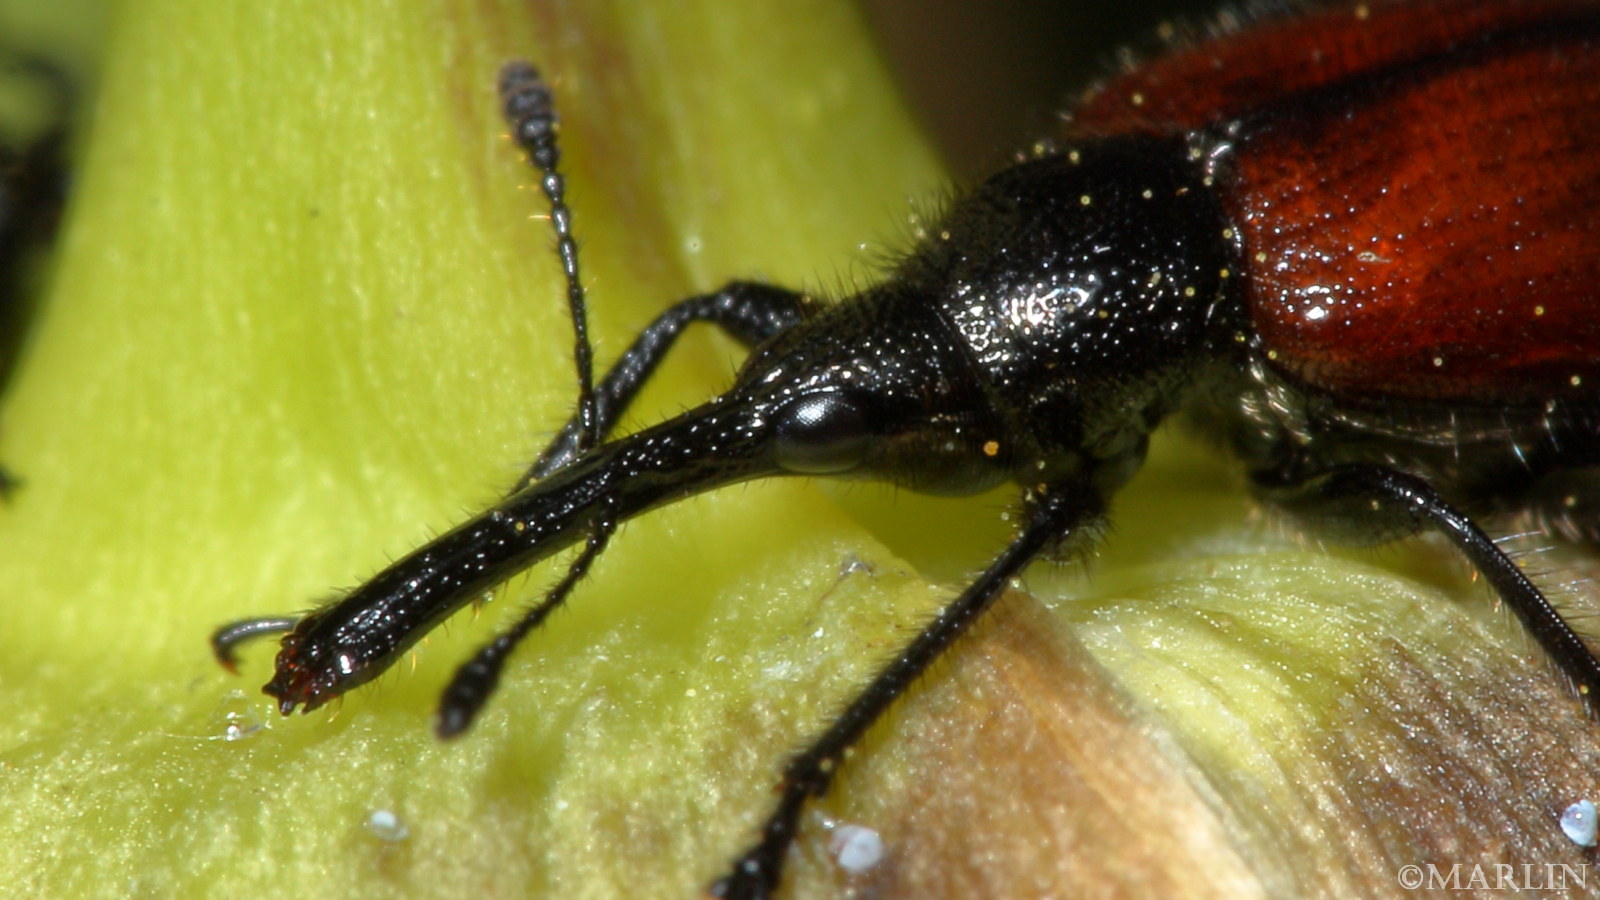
(1053, 319)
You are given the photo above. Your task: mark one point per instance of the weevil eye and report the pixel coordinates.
(821, 434)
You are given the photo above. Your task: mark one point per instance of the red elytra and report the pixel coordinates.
(1416, 185)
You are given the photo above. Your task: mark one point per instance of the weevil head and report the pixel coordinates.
(874, 388)
(1057, 314)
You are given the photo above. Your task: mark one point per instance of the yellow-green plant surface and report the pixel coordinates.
(303, 318)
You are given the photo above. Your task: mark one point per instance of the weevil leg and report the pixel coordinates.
(1054, 514)
(477, 678)
(1360, 504)
(749, 312)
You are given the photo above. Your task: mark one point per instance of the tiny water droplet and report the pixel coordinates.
(238, 717)
(385, 825)
(1578, 821)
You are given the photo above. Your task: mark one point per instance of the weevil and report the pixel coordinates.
(1356, 245)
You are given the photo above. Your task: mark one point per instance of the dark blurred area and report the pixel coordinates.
(33, 190)
(48, 52)
(989, 78)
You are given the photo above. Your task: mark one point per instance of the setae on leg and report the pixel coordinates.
(1360, 504)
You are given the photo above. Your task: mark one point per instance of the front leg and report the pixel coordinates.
(1054, 515)
(1362, 505)
(749, 312)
